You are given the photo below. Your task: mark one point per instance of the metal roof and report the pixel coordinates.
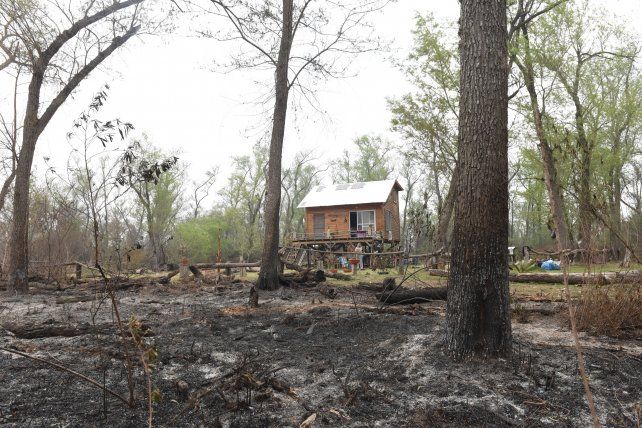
(370, 192)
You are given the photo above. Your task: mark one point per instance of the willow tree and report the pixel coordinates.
(478, 314)
(300, 42)
(57, 44)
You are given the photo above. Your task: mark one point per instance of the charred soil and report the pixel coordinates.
(298, 356)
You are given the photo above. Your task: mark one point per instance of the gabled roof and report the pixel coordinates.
(370, 192)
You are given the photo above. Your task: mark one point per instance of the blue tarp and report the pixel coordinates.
(551, 265)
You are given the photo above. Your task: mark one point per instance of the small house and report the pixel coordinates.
(352, 212)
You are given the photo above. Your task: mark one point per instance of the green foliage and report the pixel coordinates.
(197, 238)
(297, 180)
(370, 161)
(522, 266)
(157, 182)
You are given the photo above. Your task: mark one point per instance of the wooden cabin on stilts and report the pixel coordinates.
(340, 219)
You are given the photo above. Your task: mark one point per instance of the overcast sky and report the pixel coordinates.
(170, 90)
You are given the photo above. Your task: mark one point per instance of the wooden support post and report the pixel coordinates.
(218, 255)
(183, 269)
(243, 268)
(78, 271)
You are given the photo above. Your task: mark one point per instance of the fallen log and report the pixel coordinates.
(631, 277)
(558, 278)
(196, 272)
(167, 278)
(226, 265)
(340, 276)
(406, 297)
(304, 276)
(36, 331)
(387, 284)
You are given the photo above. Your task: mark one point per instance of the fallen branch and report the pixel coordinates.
(226, 265)
(406, 297)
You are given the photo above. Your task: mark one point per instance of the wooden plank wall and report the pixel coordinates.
(337, 218)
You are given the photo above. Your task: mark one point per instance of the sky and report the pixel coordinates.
(170, 89)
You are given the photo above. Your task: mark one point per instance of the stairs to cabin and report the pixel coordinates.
(296, 256)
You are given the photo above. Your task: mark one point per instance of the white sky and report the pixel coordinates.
(167, 88)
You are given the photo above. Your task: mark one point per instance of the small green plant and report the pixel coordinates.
(523, 266)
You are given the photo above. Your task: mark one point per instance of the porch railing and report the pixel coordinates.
(352, 234)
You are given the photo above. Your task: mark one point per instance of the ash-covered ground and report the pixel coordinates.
(299, 356)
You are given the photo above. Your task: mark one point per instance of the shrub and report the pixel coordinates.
(614, 310)
(523, 266)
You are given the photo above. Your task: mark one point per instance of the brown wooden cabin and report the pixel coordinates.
(339, 216)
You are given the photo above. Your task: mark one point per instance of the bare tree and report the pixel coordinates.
(297, 181)
(293, 38)
(9, 142)
(62, 45)
(202, 190)
(91, 174)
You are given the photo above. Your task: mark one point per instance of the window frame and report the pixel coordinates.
(360, 225)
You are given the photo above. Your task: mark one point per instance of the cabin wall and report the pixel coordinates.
(392, 205)
(337, 218)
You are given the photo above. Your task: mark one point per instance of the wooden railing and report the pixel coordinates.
(353, 234)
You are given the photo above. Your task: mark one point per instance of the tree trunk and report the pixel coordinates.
(584, 194)
(478, 313)
(269, 274)
(18, 269)
(553, 189)
(615, 174)
(441, 239)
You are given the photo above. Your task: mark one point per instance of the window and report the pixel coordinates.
(388, 221)
(362, 221)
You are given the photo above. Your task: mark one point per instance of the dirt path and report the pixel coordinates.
(296, 356)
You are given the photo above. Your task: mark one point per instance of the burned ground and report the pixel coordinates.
(298, 354)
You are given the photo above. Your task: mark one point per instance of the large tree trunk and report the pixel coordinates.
(19, 257)
(584, 193)
(478, 313)
(269, 274)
